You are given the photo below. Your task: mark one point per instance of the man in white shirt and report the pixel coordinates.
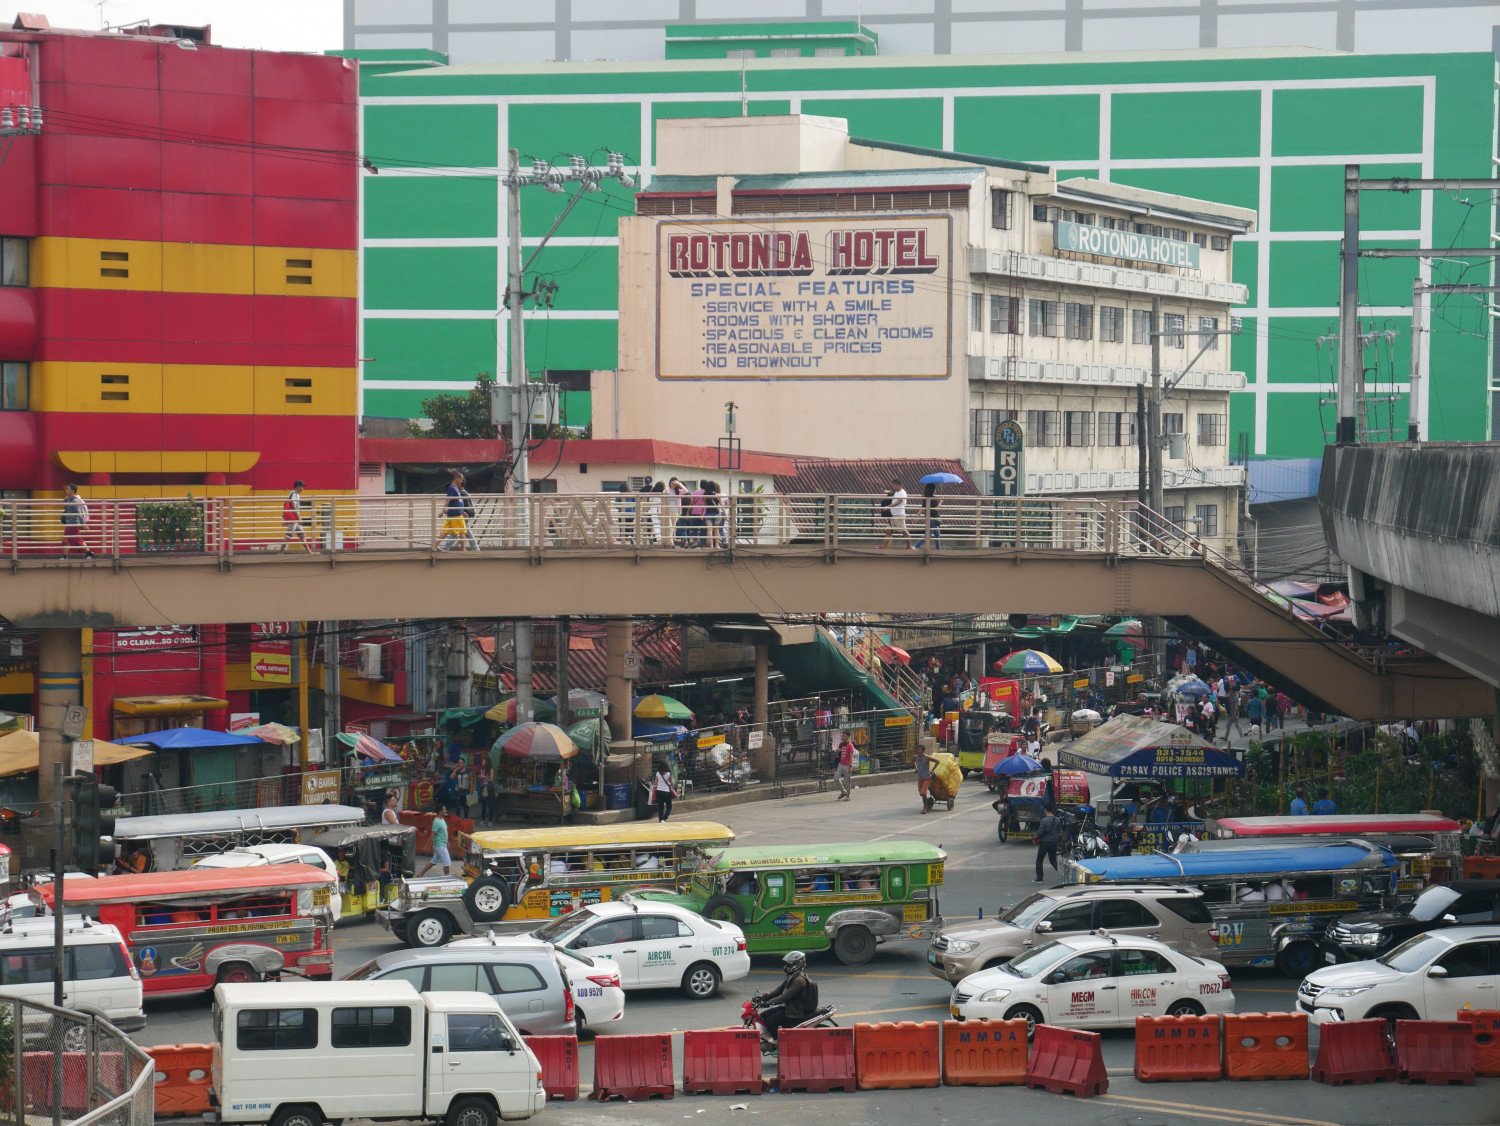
(893, 514)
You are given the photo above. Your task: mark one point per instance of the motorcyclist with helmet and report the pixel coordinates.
(788, 1004)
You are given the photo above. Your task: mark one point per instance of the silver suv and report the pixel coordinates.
(521, 974)
(1174, 915)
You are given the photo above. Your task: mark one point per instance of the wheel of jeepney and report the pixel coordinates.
(430, 928)
(487, 899)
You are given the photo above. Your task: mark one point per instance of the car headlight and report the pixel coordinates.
(1371, 938)
(994, 995)
(959, 946)
(1350, 991)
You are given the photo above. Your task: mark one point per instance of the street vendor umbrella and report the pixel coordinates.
(584, 703)
(1129, 632)
(1189, 688)
(274, 733)
(505, 710)
(367, 746)
(589, 734)
(1018, 764)
(940, 479)
(893, 653)
(1032, 662)
(662, 707)
(540, 742)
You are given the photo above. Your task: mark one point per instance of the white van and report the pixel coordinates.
(99, 976)
(304, 1054)
(256, 856)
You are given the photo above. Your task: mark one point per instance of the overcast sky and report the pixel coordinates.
(275, 25)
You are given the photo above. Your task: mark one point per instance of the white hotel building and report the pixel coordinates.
(1020, 297)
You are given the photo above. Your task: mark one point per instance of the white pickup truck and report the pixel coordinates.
(305, 1054)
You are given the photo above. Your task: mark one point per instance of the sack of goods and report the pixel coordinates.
(945, 770)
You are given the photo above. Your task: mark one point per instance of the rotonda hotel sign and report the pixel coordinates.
(1125, 244)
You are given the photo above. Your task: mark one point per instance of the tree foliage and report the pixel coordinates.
(458, 416)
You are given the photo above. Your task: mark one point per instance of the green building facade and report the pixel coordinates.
(1263, 129)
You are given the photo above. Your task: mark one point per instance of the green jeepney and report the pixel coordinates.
(850, 897)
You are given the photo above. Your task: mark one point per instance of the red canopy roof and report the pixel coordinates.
(189, 881)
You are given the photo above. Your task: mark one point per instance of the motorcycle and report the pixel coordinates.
(1120, 835)
(750, 1017)
(1088, 840)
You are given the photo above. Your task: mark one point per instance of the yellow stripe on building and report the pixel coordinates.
(104, 387)
(187, 267)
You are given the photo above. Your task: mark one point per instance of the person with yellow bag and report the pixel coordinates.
(942, 781)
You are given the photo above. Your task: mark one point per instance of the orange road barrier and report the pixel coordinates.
(1066, 1061)
(1265, 1046)
(423, 822)
(894, 1055)
(1438, 1052)
(984, 1053)
(815, 1059)
(1353, 1051)
(633, 1067)
(1178, 1048)
(1486, 1026)
(1482, 867)
(182, 1078)
(557, 1056)
(721, 1061)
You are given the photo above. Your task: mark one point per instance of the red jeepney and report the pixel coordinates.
(188, 930)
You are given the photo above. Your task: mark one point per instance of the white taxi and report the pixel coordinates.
(1095, 981)
(655, 945)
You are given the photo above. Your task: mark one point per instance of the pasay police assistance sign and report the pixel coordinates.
(867, 298)
(1111, 243)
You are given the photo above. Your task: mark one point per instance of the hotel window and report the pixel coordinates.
(1000, 209)
(1078, 321)
(1172, 423)
(1116, 428)
(1043, 316)
(1078, 428)
(1043, 428)
(15, 261)
(1005, 314)
(983, 422)
(1172, 330)
(976, 312)
(1213, 429)
(1140, 326)
(1208, 333)
(15, 387)
(1218, 242)
(1176, 515)
(786, 53)
(1148, 229)
(1176, 233)
(1111, 324)
(1208, 519)
(1200, 240)
(829, 53)
(739, 54)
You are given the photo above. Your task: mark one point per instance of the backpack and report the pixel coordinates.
(810, 997)
(289, 510)
(885, 505)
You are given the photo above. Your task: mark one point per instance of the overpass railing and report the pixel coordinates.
(143, 530)
(66, 1066)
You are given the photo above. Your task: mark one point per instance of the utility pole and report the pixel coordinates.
(580, 172)
(1153, 416)
(332, 718)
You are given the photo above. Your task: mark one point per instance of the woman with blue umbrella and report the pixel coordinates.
(931, 516)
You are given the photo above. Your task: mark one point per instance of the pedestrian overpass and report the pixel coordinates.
(229, 559)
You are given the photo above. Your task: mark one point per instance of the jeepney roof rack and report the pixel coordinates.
(1181, 871)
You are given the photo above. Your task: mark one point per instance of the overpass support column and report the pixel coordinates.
(59, 685)
(763, 761)
(618, 639)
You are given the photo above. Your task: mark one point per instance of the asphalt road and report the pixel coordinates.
(981, 874)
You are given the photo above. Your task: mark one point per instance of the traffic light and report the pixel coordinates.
(91, 823)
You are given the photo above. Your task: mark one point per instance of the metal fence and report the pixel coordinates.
(67, 1067)
(231, 527)
(252, 793)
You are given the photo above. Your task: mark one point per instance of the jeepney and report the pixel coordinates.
(525, 876)
(848, 897)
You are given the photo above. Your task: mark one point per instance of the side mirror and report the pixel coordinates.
(1438, 971)
(1055, 978)
(1044, 927)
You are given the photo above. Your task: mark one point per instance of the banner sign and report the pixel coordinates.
(271, 653)
(1010, 459)
(817, 299)
(319, 786)
(1108, 243)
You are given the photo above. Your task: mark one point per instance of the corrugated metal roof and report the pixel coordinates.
(871, 477)
(659, 648)
(894, 178)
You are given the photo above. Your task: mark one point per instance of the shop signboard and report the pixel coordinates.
(846, 298)
(1010, 459)
(271, 653)
(1109, 242)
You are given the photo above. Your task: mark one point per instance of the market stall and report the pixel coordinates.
(532, 772)
(1137, 748)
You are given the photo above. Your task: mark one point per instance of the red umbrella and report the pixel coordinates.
(893, 653)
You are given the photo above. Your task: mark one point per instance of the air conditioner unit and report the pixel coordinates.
(369, 662)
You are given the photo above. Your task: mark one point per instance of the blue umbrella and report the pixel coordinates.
(1018, 764)
(1190, 687)
(940, 479)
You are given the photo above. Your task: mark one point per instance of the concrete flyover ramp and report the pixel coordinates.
(800, 555)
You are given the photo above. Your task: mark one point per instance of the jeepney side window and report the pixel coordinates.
(1217, 894)
(1314, 887)
(817, 882)
(647, 860)
(266, 1030)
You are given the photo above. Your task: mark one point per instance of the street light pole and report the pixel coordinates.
(1153, 416)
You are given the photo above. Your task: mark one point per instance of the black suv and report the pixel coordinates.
(1356, 938)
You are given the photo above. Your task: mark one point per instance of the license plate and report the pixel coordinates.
(1330, 958)
(931, 958)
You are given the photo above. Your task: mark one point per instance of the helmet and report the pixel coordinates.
(794, 962)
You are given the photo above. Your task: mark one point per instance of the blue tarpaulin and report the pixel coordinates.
(192, 738)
